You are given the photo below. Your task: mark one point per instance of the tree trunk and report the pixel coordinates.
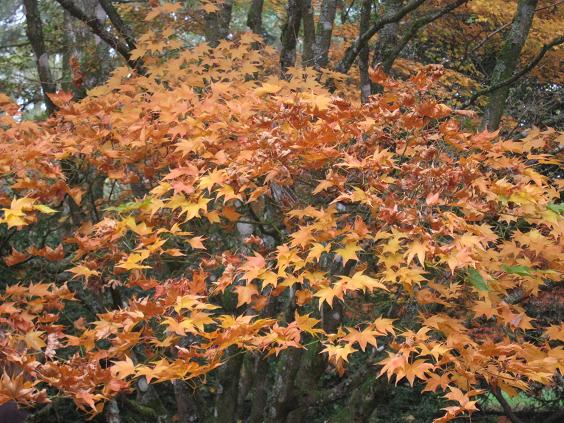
(103, 56)
(508, 60)
(388, 35)
(289, 37)
(228, 392)
(186, 411)
(364, 55)
(284, 394)
(112, 412)
(387, 41)
(246, 380)
(254, 17)
(324, 32)
(68, 53)
(34, 30)
(309, 34)
(260, 393)
(216, 24)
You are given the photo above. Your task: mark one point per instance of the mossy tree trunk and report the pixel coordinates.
(508, 60)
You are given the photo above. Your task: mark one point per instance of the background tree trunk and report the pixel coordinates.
(289, 37)
(260, 393)
(309, 33)
(388, 35)
(216, 24)
(324, 32)
(34, 31)
(364, 55)
(228, 392)
(254, 17)
(283, 399)
(186, 411)
(112, 412)
(508, 60)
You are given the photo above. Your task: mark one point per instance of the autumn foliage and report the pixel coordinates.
(229, 210)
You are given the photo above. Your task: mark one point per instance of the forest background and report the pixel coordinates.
(281, 211)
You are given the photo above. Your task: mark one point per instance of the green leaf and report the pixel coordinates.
(130, 206)
(556, 208)
(517, 270)
(477, 280)
(44, 209)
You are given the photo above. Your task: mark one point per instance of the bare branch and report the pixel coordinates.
(97, 28)
(545, 49)
(353, 50)
(505, 405)
(414, 29)
(118, 23)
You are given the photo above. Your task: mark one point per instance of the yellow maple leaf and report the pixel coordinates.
(134, 261)
(364, 337)
(328, 293)
(556, 332)
(122, 369)
(33, 340)
(82, 270)
(339, 352)
(348, 251)
(362, 282)
(418, 249)
(15, 216)
(306, 323)
(245, 294)
(267, 88)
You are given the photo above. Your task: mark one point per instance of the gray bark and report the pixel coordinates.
(508, 60)
(259, 393)
(518, 75)
(95, 64)
(216, 24)
(354, 49)
(123, 29)
(309, 33)
(101, 31)
(284, 400)
(34, 31)
(228, 392)
(364, 55)
(396, 48)
(388, 35)
(289, 37)
(324, 32)
(254, 17)
(186, 411)
(112, 412)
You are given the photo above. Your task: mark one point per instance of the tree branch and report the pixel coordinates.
(505, 405)
(353, 50)
(22, 44)
(341, 389)
(98, 29)
(549, 6)
(118, 23)
(415, 27)
(546, 48)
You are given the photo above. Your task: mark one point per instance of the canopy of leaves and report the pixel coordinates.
(148, 182)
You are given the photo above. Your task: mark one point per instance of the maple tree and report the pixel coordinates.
(204, 207)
